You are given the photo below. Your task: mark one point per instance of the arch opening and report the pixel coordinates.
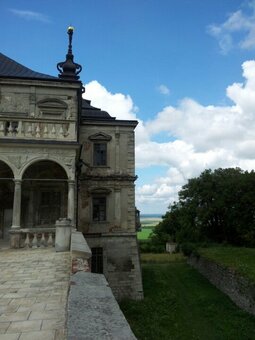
(6, 199)
(44, 194)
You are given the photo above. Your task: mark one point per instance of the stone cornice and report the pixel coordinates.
(116, 177)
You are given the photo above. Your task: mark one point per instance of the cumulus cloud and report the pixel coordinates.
(237, 31)
(163, 89)
(117, 104)
(200, 137)
(29, 15)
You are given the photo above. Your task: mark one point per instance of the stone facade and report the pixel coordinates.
(62, 158)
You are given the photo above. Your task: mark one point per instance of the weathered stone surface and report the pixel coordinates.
(63, 235)
(79, 246)
(121, 264)
(93, 312)
(33, 272)
(40, 121)
(240, 290)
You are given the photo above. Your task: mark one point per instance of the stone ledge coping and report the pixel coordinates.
(37, 230)
(114, 234)
(79, 246)
(93, 312)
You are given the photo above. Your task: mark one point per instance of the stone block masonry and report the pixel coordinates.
(93, 312)
(33, 294)
(240, 290)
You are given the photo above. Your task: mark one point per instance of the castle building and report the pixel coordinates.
(60, 157)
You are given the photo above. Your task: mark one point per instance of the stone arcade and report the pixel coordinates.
(60, 157)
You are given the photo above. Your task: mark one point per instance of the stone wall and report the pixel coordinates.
(240, 290)
(116, 235)
(121, 264)
(93, 312)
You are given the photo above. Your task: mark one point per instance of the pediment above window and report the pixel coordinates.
(100, 191)
(52, 107)
(100, 136)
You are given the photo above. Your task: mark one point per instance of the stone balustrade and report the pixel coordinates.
(31, 128)
(37, 237)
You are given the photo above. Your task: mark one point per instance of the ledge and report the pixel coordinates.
(79, 246)
(93, 312)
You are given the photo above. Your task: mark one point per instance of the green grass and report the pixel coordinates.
(144, 233)
(242, 260)
(148, 225)
(161, 258)
(181, 304)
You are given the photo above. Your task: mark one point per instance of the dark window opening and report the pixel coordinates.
(99, 209)
(100, 154)
(50, 207)
(97, 260)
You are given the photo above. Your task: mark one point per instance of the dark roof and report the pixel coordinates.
(91, 112)
(11, 69)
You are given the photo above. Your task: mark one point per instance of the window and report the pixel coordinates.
(50, 207)
(100, 154)
(99, 209)
(97, 260)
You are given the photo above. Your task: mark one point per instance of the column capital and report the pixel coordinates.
(17, 181)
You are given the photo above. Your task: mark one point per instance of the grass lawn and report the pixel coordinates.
(148, 224)
(144, 233)
(179, 303)
(240, 259)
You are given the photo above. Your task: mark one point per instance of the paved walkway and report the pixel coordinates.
(33, 293)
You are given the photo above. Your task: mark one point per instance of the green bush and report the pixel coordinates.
(147, 246)
(188, 249)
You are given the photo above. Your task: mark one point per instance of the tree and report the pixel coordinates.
(218, 206)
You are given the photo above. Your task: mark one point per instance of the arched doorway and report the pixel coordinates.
(6, 199)
(44, 194)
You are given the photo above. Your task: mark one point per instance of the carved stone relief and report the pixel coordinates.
(21, 158)
(14, 103)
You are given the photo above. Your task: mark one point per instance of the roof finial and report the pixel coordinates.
(70, 33)
(69, 69)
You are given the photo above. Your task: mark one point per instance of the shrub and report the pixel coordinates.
(188, 249)
(147, 246)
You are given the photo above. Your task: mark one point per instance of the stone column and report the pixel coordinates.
(15, 228)
(70, 207)
(16, 204)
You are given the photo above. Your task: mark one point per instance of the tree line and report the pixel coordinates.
(218, 206)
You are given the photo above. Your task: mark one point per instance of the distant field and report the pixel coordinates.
(148, 223)
(144, 233)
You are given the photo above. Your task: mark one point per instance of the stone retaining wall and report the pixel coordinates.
(240, 290)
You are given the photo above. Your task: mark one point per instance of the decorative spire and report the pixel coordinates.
(69, 69)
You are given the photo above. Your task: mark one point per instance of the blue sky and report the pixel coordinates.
(173, 65)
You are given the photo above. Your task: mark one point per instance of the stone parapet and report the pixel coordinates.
(93, 312)
(80, 253)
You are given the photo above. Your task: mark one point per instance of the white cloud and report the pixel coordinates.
(237, 31)
(163, 89)
(29, 15)
(204, 137)
(117, 104)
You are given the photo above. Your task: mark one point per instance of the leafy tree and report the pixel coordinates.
(218, 206)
